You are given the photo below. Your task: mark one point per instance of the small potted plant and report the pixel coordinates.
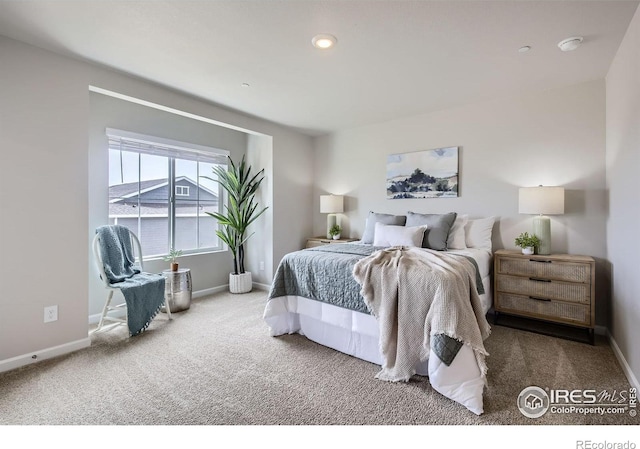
(172, 256)
(335, 231)
(528, 243)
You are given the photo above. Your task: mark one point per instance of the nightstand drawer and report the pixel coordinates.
(544, 288)
(539, 266)
(555, 310)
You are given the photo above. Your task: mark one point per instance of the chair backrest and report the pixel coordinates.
(137, 248)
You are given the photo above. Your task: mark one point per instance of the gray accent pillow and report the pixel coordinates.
(373, 218)
(438, 227)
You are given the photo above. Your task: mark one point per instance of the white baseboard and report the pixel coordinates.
(44, 354)
(93, 319)
(225, 288)
(261, 287)
(210, 291)
(631, 377)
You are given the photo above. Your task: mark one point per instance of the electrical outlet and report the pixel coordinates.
(262, 265)
(50, 314)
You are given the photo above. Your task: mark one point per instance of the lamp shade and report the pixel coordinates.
(541, 200)
(331, 204)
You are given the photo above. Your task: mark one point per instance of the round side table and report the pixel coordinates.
(177, 289)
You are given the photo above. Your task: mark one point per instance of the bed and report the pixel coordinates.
(315, 293)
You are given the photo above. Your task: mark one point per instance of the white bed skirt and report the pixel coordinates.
(357, 334)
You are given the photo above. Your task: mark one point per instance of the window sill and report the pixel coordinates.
(186, 255)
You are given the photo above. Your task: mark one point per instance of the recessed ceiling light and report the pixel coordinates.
(324, 41)
(524, 49)
(570, 43)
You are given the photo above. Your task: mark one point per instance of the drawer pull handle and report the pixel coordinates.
(539, 299)
(539, 280)
(540, 261)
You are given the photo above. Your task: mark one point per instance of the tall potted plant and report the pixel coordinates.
(240, 212)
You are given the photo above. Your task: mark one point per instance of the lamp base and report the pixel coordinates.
(331, 221)
(542, 228)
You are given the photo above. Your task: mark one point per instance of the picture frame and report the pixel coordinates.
(423, 174)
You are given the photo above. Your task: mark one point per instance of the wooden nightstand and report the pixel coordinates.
(318, 241)
(559, 288)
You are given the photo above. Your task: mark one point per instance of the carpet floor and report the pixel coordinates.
(215, 364)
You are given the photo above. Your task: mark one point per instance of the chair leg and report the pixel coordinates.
(105, 310)
(104, 316)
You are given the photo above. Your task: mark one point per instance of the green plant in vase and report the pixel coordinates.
(335, 231)
(528, 243)
(172, 256)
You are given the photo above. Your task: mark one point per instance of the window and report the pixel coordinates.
(182, 190)
(143, 171)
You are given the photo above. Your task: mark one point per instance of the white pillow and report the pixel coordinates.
(373, 218)
(457, 237)
(390, 235)
(478, 232)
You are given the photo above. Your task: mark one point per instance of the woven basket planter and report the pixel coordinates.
(240, 283)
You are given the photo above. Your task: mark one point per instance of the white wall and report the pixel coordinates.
(552, 138)
(44, 115)
(44, 141)
(259, 156)
(623, 184)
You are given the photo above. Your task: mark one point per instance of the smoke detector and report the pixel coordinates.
(570, 43)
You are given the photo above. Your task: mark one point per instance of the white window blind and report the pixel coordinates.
(140, 143)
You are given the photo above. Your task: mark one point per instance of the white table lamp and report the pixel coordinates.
(332, 205)
(543, 201)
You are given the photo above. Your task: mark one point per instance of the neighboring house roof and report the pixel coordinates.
(120, 192)
(148, 199)
(131, 188)
(129, 210)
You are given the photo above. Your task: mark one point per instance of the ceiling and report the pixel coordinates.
(392, 59)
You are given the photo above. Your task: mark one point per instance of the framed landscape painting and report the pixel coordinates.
(423, 174)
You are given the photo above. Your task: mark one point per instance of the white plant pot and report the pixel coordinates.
(240, 283)
(336, 237)
(528, 250)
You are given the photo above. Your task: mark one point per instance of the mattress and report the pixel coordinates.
(356, 333)
(483, 258)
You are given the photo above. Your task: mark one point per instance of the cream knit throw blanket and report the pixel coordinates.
(415, 293)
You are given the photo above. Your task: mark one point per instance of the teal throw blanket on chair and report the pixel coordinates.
(143, 292)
